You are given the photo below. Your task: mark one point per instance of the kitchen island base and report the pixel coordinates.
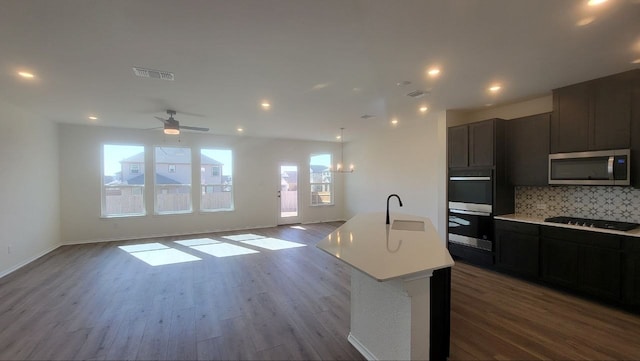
(391, 318)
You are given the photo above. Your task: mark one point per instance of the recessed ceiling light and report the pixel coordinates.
(585, 21)
(495, 88)
(240, 129)
(394, 121)
(423, 109)
(265, 105)
(93, 117)
(26, 74)
(434, 72)
(595, 2)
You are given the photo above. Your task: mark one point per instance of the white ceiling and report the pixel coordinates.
(321, 64)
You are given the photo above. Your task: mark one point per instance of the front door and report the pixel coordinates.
(288, 203)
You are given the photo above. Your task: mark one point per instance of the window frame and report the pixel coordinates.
(312, 183)
(138, 189)
(156, 186)
(204, 186)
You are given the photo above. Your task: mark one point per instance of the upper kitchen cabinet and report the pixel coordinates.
(528, 150)
(593, 115)
(473, 145)
(458, 140)
(635, 130)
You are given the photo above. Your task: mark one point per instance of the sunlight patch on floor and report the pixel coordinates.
(273, 244)
(243, 237)
(143, 247)
(157, 254)
(299, 227)
(196, 242)
(221, 249)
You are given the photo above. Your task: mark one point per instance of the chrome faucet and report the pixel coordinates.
(388, 198)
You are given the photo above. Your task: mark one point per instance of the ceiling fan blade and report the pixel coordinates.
(165, 121)
(194, 128)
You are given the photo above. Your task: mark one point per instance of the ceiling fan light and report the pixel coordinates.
(171, 129)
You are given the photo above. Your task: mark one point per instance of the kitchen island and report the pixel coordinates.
(400, 285)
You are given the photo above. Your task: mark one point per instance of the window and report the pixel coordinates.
(172, 168)
(172, 189)
(123, 180)
(216, 181)
(320, 179)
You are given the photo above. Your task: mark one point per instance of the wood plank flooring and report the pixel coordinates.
(497, 317)
(97, 302)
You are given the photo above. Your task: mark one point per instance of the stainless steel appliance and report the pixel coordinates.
(471, 225)
(607, 167)
(471, 214)
(594, 223)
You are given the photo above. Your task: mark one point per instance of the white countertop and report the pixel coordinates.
(366, 243)
(536, 220)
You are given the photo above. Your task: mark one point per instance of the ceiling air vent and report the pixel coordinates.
(417, 94)
(156, 74)
(367, 116)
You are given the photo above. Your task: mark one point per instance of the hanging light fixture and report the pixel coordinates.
(340, 168)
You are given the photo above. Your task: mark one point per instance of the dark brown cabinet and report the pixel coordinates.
(632, 272)
(593, 115)
(517, 248)
(635, 130)
(588, 262)
(570, 119)
(472, 145)
(481, 144)
(458, 140)
(528, 150)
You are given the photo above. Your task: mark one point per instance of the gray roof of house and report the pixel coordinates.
(318, 168)
(170, 155)
(160, 179)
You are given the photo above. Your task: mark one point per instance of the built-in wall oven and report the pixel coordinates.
(471, 214)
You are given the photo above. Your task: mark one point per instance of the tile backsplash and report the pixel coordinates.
(601, 202)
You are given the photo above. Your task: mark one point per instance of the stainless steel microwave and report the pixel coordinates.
(607, 167)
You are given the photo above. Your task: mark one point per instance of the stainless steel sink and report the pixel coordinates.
(406, 225)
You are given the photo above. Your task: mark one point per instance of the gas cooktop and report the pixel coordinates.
(594, 223)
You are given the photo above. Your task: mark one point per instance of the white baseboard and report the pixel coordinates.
(361, 348)
(160, 235)
(27, 261)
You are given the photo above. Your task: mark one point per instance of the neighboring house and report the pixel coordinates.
(320, 174)
(172, 167)
(289, 181)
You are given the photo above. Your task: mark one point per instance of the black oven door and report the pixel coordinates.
(471, 186)
(471, 228)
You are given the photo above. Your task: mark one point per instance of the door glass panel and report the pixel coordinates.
(288, 191)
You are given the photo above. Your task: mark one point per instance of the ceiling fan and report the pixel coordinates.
(172, 126)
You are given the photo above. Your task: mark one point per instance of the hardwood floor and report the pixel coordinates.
(97, 302)
(497, 317)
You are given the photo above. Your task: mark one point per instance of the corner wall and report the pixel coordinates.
(30, 191)
(409, 160)
(256, 181)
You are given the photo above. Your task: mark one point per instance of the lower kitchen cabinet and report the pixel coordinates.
(589, 262)
(601, 265)
(632, 272)
(517, 248)
(560, 262)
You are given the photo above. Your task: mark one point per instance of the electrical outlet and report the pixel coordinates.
(541, 206)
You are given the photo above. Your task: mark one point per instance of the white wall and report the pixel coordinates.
(524, 108)
(29, 191)
(256, 180)
(409, 160)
